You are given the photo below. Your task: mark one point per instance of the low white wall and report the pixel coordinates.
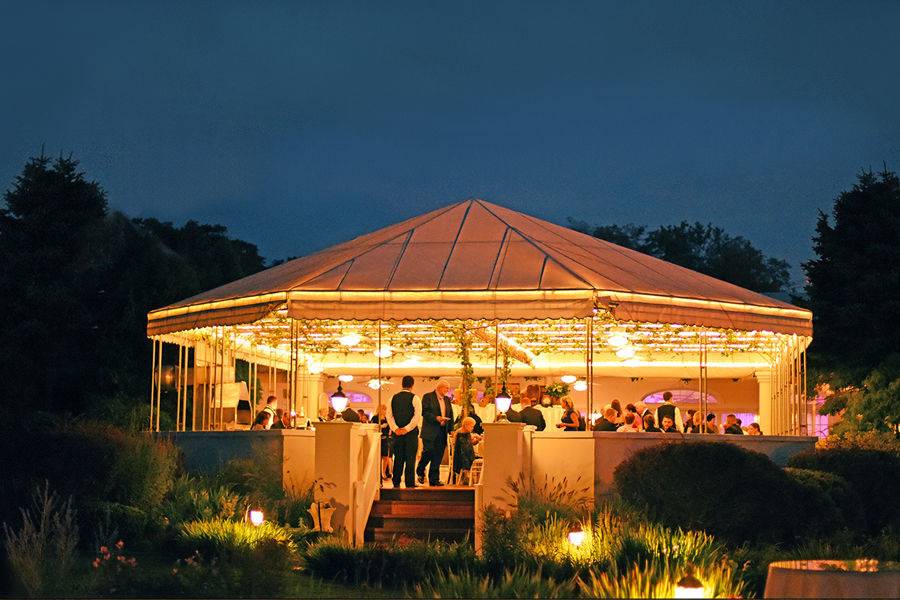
(559, 454)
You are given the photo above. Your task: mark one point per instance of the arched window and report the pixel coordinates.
(678, 397)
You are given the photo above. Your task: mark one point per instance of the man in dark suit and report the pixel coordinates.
(607, 422)
(350, 415)
(532, 416)
(437, 420)
(404, 415)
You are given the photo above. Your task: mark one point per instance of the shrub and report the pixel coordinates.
(41, 553)
(658, 580)
(873, 474)
(197, 499)
(721, 488)
(114, 520)
(551, 498)
(862, 440)
(830, 499)
(227, 539)
(520, 582)
(386, 565)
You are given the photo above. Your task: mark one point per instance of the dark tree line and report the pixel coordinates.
(77, 282)
(703, 248)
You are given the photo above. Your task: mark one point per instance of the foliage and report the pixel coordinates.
(763, 502)
(853, 284)
(113, 570)
(831, 499)
(520, 582)
(94, 275)
(114, 520)
(551, 498)
(873, 474)
(229, 539)
(863, 440)
(658, 580)
(702, 248)
(41, 553)
(196, 499)
(466, 372)
(390, 565)
(557, 389)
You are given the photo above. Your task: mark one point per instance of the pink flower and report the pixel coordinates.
(120, 544)
(96, 563)
(104, 550)
(120, 558)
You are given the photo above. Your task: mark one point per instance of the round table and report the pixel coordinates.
(864, 578)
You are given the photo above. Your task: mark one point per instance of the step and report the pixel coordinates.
(419, 523)
(426, 494)
(451, 535)
(401, 508)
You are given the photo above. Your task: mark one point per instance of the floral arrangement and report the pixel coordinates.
(557, 389)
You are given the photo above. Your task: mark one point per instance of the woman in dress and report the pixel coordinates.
(381, 420)
(571, 420)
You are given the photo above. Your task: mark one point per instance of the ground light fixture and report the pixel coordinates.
(256, 517)
(576, 535)
(503, 402)
(568, 379)
(339, 401)
(346, 378)
(689, 586)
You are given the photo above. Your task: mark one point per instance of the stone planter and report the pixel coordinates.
(321, 514)
(833, 579)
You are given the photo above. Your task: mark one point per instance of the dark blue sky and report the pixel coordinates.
(301, 124)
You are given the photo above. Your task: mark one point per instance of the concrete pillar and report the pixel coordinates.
(766, 416)
(337, 464)
(504, 459)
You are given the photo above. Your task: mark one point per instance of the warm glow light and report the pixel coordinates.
(339, 403)
(350, 339)
(256, 517)
(580, 386)
(346, 378)
(316, 367)
(568, 379)
(625, 352)
(374, 384)
(633, 362)
(617, 340)
(576, 536)
(385, 352)
(689, 587)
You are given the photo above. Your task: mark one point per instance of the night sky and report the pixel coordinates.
(302, 124)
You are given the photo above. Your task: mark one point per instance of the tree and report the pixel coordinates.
(78, 282)
(853, 284)
(703, 248)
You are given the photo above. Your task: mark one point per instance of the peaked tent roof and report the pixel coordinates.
(478, 260)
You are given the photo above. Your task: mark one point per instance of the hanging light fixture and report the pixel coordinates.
(350, 339)
(315, 367)
(384, 352)
(580, 386)
(625, 352)
(617, 340)
(346, 378)
(339, 402)
(502, 401)
(374, 384)
(568, 379)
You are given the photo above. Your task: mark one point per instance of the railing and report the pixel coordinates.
(366, 489)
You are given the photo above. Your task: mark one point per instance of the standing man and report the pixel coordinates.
(668, 409)
(404, 415)
(437, 415)
(532, 416)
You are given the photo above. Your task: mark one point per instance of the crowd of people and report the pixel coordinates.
(415, 431)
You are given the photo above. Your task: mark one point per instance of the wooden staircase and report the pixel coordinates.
(445, 513)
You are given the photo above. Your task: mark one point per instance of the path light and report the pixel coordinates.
(580, 386)
(256, 517)
(568, 379)
(350, 339)
(346, 378)
(689, 586)
(503, 402)
(576, 536)
(339, 401)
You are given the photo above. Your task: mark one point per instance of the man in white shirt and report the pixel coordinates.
(404, 417)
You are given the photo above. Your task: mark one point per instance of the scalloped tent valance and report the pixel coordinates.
(478, 260)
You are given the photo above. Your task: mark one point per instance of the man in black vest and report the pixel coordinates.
(532, 416)
(437, 421)
(668, 409)
(404, 415)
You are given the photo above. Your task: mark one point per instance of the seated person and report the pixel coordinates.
(261, 422)
(732, 426)
(278, 422)
(363, 417)
(650, 423)
(753, 429)
(350, 415)
(711, 426)
(629, 425)
(464, 446)
(608, 421)
(668, 425)
(695, 423)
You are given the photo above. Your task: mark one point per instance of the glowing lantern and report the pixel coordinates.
(346, 378)
(374, 384)
(576, 536)
(256, 517)
(339, 401)
(626, 352)
(315, 367)
(580, 386)
(568, 378)
(617, 340)
(385, 352)
(350, 339)
(503, 402)
(689, 587)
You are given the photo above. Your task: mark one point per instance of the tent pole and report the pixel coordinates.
(159, 384)
(379, 369)
(589, 348)
(152, 381)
